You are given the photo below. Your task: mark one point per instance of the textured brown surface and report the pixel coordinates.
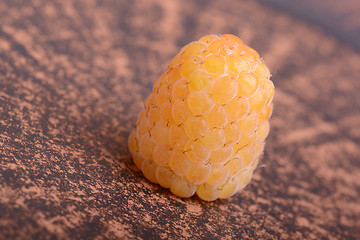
(72, 78)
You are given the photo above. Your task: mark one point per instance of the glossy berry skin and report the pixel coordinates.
(203, 127)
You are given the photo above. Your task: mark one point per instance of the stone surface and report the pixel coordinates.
(72, 78)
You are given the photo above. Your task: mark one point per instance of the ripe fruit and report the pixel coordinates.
(203, 127)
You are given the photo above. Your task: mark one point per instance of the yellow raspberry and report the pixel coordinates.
(203, 127)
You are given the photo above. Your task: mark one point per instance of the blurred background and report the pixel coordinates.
(72, 78)
(340, 19)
